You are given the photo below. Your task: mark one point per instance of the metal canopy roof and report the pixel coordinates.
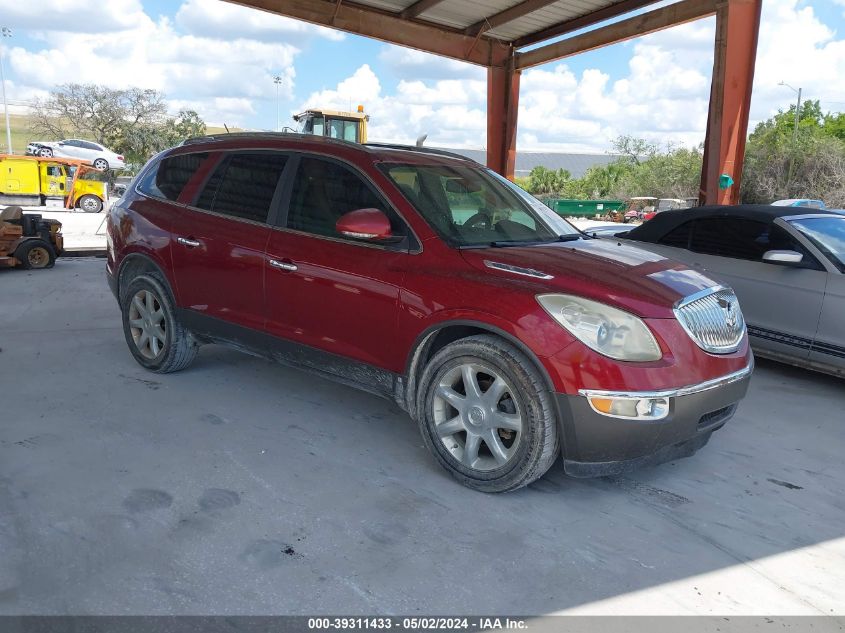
(513, 21)
(486, 32)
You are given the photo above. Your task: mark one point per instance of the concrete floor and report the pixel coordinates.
(240, 487)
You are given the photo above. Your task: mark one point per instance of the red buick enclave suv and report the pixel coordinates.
(421, 276)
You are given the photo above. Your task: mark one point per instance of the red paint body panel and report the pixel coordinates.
(343, 298)
(223, 277)
(145, 231)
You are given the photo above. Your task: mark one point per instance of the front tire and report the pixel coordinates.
(45, 152)
(90, 203)
(153, 333)
(486, 415)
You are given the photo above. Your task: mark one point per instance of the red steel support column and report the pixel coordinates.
(737, 28)
(502, 105)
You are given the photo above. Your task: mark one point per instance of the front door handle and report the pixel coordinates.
(289, 266)
(187, 241)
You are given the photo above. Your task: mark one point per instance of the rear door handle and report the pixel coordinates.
(289, 266)
(187, 241)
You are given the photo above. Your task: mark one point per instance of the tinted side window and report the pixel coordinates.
(731, 237)
(678, 237)
(171, 175)
(323, 191)
(243, 185)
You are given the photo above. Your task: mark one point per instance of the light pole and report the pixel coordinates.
(5, 32)
(797, 109)
(278, 81)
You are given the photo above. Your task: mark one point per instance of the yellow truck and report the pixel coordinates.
(348, 126)
(37, 181)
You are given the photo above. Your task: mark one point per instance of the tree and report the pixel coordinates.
(133, 122)
(633, 150)
(544, 181)
(780, 163)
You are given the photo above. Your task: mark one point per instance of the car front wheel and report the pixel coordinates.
(486, 415)
(155, 337)
(45, 152)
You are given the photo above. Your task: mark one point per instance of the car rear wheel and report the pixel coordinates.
(101, 164)
(486, 416)
(35, 254)
(155, 337)
(90, 203)
(45, 152)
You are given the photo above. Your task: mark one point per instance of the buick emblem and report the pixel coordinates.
(730, 313)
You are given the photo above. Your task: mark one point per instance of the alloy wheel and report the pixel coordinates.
(147, 324)
(477, 416)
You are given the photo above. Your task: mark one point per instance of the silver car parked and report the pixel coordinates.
(786, 265)
(101, 157)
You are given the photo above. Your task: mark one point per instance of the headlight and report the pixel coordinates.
(607, 330)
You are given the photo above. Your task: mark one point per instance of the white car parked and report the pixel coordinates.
(101, 157)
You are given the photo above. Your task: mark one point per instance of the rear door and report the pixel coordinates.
(220, 233)
(327, 291)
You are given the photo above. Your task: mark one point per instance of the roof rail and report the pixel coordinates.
(211, 138)
(415, 148)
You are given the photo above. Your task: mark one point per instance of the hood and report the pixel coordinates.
(635, 280)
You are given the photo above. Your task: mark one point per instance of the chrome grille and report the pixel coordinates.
(713, 320)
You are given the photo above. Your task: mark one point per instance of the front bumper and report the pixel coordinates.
(596, 444)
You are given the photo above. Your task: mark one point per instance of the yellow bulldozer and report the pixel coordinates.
(347, 126)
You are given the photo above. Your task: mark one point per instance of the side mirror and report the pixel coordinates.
(366, 224)
(782, 257)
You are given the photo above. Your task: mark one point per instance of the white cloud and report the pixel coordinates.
(72, 15)
(409, 62)
(222, 20)
(221, 66)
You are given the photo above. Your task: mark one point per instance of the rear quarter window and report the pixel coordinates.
(167, 179)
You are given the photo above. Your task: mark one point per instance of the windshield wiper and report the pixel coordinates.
(510, 243)
(506, 243)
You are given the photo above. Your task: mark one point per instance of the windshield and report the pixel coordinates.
(827, 234)
(472, 206)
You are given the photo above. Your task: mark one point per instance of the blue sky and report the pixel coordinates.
(220, 59)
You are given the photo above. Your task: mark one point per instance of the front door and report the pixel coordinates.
(781, 303)
(327, 291)
(220, 234)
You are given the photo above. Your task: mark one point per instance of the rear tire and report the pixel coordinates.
(35, 255)
(153, 333)
(486, 415)
(102, 164)
(90, 203)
